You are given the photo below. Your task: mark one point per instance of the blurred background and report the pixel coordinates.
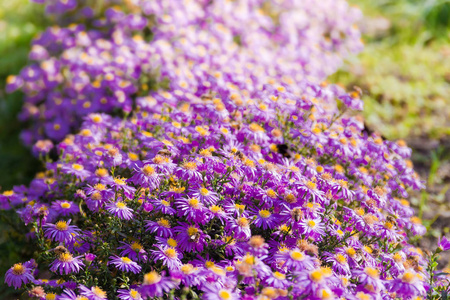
(403, 72)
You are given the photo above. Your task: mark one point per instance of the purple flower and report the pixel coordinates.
(17, 275)
(131, 294)
(443, 244)
(119, 209)
(65, 208)
(169, 257)
(61, 231)
(190, 237)
(125, 264)
(93, 293)
(155, 285)
(408, 284)
(66, 264)
(135, 251)
(161, 227)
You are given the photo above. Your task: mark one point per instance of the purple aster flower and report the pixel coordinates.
(146, 176)
(155, 285)
(369, 279)
(241, 228)
(66, 264)
(295, 260)
(161, 227)
(213, 292)
(206, 196)
(17, 275)
(131, 294)
(190, 237)
(61, 231)
(120, 210)
(444, 244)
(163, 206)
(69, 295)
(313, 227)
(407, 285)
(65, 208)
(93, 293)
(135, 251)
(125, 264)
(77, 170)
(192, 209)
(265, 219)
(169, 257)
(276, 280)
(339, 262)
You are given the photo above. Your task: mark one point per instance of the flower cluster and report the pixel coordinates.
(244, 178)
(181, 45)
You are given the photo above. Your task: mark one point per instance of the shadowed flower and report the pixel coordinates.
(17, 275)
(66, 264)
(125, 264)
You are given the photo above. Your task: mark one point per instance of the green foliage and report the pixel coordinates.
(404, 69)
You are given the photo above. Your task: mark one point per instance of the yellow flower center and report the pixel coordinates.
(408, 277)
(50, 296)
(119, 181)
(99, 292)
(311, 224)
(215, 209)
(187, 268)
(255, 127)
(125, 260)
(65, 257)
(148, 170)
(209, 264)
(121, 205)
(204, 192)
(190, 165)
(136, 246)
(192, 231)
(350, 252)
(8, 193)
(61, 225)
(134, 294)
(164, 223)
(101, 172)
(18, 269)
(77, 167)
(264, 213)
(224, 294)
(172, 243)
(297, 255)
(316, 275)
(242, 222)
(311, 185)
(194, 202)
(372, 272)
(341, 258)
(65, 205)
(279, 275)
(171, 253)
(165, 203)
(152, 278)
(271, 193)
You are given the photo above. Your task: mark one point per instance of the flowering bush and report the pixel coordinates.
(243, 178)
(103, 67)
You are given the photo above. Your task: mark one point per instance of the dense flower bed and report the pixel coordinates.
(103, 67)
(225, 170)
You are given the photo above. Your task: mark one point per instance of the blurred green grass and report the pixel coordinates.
(20, 21)
(404, 70)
